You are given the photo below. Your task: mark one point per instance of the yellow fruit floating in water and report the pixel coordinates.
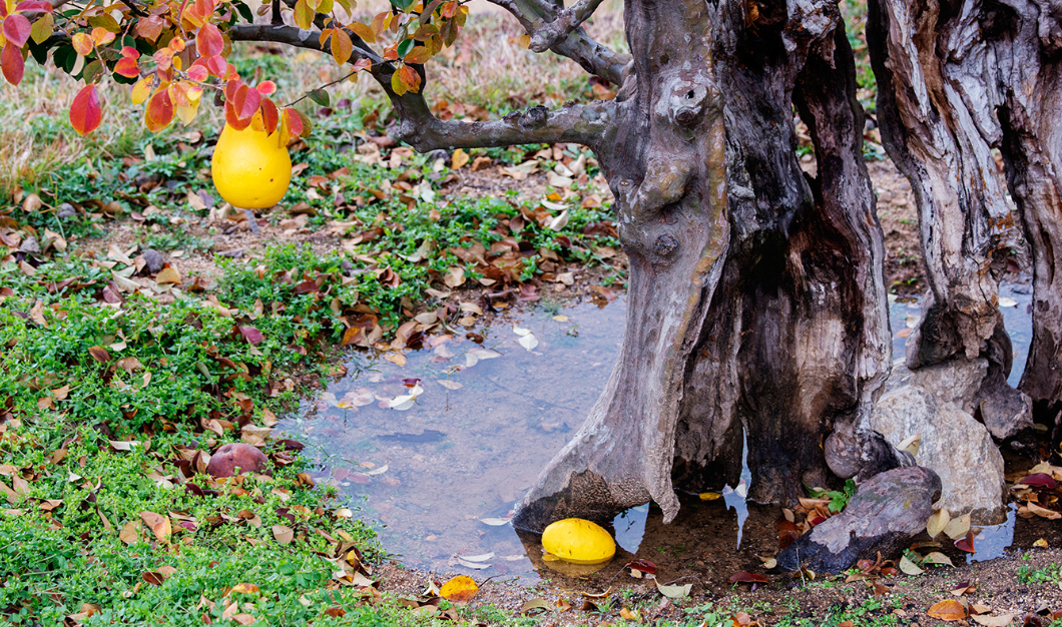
(251, 169)
(578, 541)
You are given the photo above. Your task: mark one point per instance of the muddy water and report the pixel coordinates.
(487, 415)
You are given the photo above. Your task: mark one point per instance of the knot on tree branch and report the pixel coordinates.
(535, 117)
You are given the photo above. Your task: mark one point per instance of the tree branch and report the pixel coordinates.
(585, 124)
(576, 45)
(582, 124)
(563, 25)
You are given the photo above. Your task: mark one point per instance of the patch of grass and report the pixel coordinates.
(1052, 573)
(78, 380)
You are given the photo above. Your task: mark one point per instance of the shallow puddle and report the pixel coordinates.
(437, 450)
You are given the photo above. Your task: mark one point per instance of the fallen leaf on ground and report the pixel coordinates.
(958, 527)
(747, 578)
(937, 522)
(947, 610)
(909, 567)
(535, 604)
(159, 525)
(460, 588)
(994, 621)
(283, 534)
(967, 543)
(675, 592)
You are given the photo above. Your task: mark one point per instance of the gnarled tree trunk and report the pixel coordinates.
(957, 79)
(756, 304)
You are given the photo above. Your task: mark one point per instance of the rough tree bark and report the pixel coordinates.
(957, 79)
(756, 301)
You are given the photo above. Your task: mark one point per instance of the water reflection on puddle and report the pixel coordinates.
(475, 438)
(488, 416)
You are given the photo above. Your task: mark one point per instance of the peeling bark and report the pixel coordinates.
(756, 298)
(957, 79)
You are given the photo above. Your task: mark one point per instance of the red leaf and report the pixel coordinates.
(130, 52)
(149, 27)
(362, 64)
(270, 115)
(267, 88)
(216, 65)
(294, 122)
(12, 64)
(127, 67)
(747, 578)
(1040, 480)
(17, 29)
(34, 5)
(252, 335)
(209, 41)
(643, 565)
(159, 111)
(85, 111)
(198, 72)
(967, 543)
(246, 102)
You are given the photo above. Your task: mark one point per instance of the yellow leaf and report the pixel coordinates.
(168, 275)
(525, 41)
(459, 159)
(245, 588)
(141, 90)
(460, 588)
(710, 496)
(937, 522)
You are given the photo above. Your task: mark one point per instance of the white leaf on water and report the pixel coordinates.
(477, 558)
(472, 565)
(378, 471)
(450, 385)
(521, 331)
(1007, 302)
(495, 522)
(406, 401)
(528, 341)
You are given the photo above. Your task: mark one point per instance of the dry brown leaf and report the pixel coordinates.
(159, 525)
(947, 610)
(283, 534)
(168, 275)
(994, 621)
(958, 527)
